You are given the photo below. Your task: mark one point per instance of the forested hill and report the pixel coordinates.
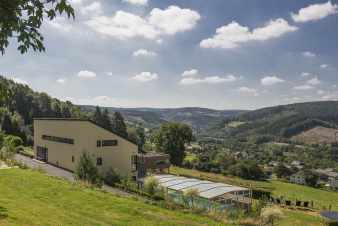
(22, 104)
(285, 121)
(199, 118)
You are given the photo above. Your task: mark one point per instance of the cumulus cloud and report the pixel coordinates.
(324, 66)
(305, 74)
(303, 87)
(248, 91)
(144, 53)
(19, 81)
(308, 54)
(123, 25)
(271, 80)
(61, 80)
(145, 77)
(190, 73)
(136, 2)
(94, 8)
(320, 92)
(192, 80)
(86, 74)
(60, 23)
(313, 82)
(232, 35)
(315, 12)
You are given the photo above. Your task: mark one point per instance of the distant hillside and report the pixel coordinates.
(199, 118)
(281, 121)
(317, 135)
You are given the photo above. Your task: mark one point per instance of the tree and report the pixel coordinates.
(7, 126)
(87, 171)
(190, 195)
(119, 126)
(105, 120)
(141, 137)
(151, 185)
(22, 19)
(171, 139)
(247, 169)
(282, 171)
(269, 215)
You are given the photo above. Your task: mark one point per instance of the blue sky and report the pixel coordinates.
(233, 54)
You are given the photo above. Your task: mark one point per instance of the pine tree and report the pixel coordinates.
(119, 126)
(105, 120)
(7, 126)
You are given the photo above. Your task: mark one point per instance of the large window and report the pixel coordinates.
(58, 139)
(106, 143)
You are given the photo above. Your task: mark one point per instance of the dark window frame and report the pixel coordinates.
(56, 139)
(98, 143)
(99, 161)
(109, 143)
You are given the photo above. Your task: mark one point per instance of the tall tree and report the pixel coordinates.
(22, 19)
(7, 126)
(97, 115)
(171, 139)
(105, 120)
(119, 125)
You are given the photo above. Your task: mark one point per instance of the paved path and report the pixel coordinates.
(58, 172)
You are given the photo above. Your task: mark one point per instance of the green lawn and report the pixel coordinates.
(32, 198)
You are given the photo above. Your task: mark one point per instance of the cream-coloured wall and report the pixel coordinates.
(85, 135)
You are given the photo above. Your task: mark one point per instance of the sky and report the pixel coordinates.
(221, 54)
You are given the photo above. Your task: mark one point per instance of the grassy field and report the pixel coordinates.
(32, 198)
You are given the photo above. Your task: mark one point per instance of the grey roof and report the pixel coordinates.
(206, 189)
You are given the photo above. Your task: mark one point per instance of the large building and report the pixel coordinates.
(61, 142)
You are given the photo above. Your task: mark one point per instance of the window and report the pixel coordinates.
(106, 143)
(73, 159)
(98, 143)
(58, 139)
(99, 161)
(134, 162)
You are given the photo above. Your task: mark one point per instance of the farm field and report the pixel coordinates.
(32, 198)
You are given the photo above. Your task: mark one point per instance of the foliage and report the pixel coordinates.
(22, 19)
(270, 215)
(247, 170)
(171, 139)
(190, 195)
(151, 185)
(13, 141)
(119, 126)
(282, 171)
(87, 171)
(112, 177)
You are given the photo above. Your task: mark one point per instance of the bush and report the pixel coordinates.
(87, 171)
(270, 215)
(13, 141)
(112, 177)
(151, 185)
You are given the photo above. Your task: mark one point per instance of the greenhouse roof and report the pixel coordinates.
(206, 189)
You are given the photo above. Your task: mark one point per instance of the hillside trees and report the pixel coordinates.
(171, 139)
(118, 124)
(22, 19)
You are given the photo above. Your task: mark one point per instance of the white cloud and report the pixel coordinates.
(320, 92)
(315, 12)
(247, 91)
(145, 77)
(324, 66)
(271, 80)
(232, 35)
(192, 80)
(303, 87)
(61, 80)
(136, 2)
(173, 19)
(94, 8)
(109, 73)
(19, 81)
(76, 2)
(313, 82)
(86, 74)
(305, 74)
(124, 25)
(144, 53)
(60, 23)
(308, 54)
(190, 73)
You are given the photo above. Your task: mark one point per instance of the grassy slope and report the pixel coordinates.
(32, 198)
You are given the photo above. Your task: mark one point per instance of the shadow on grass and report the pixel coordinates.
(3, 213)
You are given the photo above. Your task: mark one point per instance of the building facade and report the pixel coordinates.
(61, 142)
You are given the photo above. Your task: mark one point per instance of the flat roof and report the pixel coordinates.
(206, 189)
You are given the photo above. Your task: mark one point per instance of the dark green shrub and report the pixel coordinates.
(87, 171)
(112, 177)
